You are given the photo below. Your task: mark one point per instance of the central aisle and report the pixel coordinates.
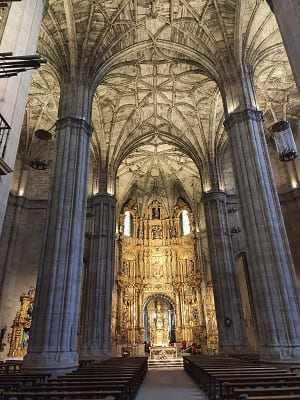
(165, 384)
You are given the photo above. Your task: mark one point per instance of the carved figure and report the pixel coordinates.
(155, 213)
(173, 232)
(157, 268)
(195, 314)
(190, 267)
(140, 230)
(125, 315)
(156, 232)
(125, 267)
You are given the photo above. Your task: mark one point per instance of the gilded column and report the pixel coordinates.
(96, 342)
(271, 270)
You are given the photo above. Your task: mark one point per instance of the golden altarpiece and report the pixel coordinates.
(158, 297)
(19, 336)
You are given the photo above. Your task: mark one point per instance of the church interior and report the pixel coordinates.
(150, 185)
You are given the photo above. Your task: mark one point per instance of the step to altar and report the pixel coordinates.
(166, 363)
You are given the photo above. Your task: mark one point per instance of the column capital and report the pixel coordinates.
(242, 116)
(101, 197)
(74, 122)
(214, 195)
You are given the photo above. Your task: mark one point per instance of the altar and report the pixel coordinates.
(162, 352)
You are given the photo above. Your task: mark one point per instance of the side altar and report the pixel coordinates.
(162, 352)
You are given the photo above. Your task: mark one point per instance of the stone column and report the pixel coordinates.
(96, 343)
(20, 36)
(232, 336)
(53, 335)
(271, 271)
(287, 13)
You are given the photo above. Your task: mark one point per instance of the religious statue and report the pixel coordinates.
(125, 314)
(155, 213)
(159, 327)
(195, 314)
(156, 232)
(190, 267)
(125, 267)
(140, 230)
(172, 230)
(157, 268)
(25, 338)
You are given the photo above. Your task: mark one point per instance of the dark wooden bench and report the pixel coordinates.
(227, 383)
(92, 394)
(215, 373)
(265, 391)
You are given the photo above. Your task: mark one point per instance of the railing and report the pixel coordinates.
(4, 132)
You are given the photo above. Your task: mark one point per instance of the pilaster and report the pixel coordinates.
(271, 271)
(232, 336)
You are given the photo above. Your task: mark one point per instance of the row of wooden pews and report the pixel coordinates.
(116, 378)
(228, 378)
(10, 366)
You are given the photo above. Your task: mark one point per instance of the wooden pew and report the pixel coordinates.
(227, 383)
(212, 374)
(265, 391)
(93, 394)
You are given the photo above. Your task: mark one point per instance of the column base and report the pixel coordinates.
(227, 350)
(95, 354)
(50, 363)
(280, 354)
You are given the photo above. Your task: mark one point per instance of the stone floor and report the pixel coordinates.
(165, 384)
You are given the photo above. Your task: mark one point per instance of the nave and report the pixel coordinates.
(169, 384)
(127, 378)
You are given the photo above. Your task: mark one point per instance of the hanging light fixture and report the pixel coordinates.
(284, 141)
(42, 141)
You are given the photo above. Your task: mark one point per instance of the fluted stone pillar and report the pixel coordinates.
(287, 13)
(271, 271)
(96, 331)
(20, 36)
(53, 333)
(231, 330)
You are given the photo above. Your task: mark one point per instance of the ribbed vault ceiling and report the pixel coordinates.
(157, 110)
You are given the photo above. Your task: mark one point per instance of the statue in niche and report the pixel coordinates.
(195, 314)
(155, 213)
(140, 230)
(156, 232)
(125, 269)
(173, 232)
(125, 315)
(157, 268)
(25, 338)
(190, 267)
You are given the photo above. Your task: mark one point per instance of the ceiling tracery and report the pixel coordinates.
(162, 60)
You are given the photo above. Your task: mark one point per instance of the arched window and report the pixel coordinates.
(128, 224)
(185, 223)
